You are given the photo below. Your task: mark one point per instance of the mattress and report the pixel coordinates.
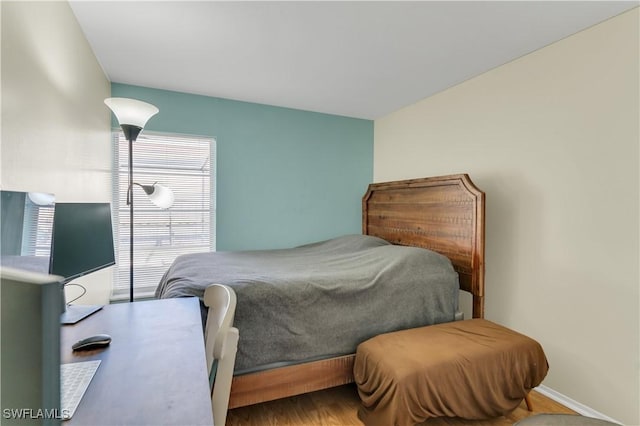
(322, 299)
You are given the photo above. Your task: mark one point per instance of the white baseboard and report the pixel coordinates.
(573, 404)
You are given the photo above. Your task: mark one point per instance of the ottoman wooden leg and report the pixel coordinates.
(527, 400)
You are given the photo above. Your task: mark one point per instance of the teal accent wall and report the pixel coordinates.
(284, 177)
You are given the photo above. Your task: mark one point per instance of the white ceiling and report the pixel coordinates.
(358, 59)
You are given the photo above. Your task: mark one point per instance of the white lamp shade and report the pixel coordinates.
(161, 196)
(42, 198)
(131, 111)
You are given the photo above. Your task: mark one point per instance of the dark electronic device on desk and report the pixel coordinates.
(65, 239)
(81, 243)
(92, 342)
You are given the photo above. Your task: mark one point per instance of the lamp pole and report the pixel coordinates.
(132, 116)
(130, 197)
(131, 134)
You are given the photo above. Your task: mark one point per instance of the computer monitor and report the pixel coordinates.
(30, 348)
(81, 243)
(26, 220)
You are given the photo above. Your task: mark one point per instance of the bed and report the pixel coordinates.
(295, 341)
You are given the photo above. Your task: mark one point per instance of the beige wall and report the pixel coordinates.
(55, 126)
(552, 138)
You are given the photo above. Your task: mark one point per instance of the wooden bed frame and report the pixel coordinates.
(444, 214)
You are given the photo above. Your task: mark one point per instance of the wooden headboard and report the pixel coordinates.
(444, 214)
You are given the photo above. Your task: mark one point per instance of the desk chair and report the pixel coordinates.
(221, 343)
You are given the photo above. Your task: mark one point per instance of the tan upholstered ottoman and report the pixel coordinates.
(472, 369)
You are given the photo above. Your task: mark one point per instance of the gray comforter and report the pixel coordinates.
(322, 299)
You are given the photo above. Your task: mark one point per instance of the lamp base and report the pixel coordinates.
(75, 313)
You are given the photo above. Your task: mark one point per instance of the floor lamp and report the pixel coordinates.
(132, 115)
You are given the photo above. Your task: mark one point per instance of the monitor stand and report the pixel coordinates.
(75, 313)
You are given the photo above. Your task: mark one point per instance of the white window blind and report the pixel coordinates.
(36, 240)
(184, 164)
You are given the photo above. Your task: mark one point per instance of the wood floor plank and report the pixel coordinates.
(339, 407)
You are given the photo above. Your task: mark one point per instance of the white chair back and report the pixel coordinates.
(221, 342)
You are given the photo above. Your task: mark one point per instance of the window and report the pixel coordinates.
(184, 164)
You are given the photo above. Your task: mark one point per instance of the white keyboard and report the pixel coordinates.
(74, 380)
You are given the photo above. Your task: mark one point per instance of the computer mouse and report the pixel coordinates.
(92, 342)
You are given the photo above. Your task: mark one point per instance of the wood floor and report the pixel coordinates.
(339, 407)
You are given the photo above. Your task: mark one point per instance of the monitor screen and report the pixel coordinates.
(82, 240)
(26, 222)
